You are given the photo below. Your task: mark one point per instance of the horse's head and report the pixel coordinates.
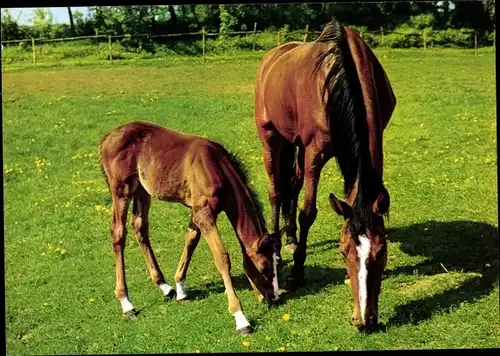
(261, 266)
(365, 254)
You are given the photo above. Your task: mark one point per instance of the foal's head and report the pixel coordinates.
(261, 266)
(365, 253)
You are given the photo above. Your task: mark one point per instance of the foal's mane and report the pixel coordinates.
(242, 172)
(348, 127)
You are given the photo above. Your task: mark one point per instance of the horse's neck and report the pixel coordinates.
(241, 211)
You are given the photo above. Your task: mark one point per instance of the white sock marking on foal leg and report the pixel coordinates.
(181, 293)
(165, 288)
(241, 320)
(126, 305)
(275, 279)
(363, 253)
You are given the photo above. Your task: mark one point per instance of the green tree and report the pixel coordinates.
(10, 27)
(42, 22)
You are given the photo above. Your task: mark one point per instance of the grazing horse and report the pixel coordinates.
(318, 100)
(141, 160)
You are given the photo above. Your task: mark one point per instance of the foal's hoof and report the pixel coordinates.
(290, 248)
(247, 330)
(131, 314)
(171, 295)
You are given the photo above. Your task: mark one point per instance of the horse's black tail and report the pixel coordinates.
(347, 120)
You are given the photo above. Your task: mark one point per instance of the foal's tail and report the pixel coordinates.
(347, 120)
(101, 162)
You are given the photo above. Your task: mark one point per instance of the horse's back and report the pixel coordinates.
(288, 91)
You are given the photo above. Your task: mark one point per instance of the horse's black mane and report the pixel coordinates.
(348, 127)
(242, 171)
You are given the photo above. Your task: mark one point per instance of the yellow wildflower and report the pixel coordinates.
(245, 343)
(286, 316)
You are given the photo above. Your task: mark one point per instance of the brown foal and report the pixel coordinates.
(141, 160)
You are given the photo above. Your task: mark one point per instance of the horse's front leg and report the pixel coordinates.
(206, 221)
(192, 238)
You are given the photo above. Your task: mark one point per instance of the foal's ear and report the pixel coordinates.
(340, 207)
(269, 242)
(381, 205)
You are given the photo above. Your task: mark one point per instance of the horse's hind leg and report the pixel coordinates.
(192, 238)
(121, 201)
(313, 163)
(140, 224)
(273, 144)
(290, 207)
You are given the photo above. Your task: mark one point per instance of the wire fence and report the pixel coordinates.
(423, 39)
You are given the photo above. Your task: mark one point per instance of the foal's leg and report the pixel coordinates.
(118, 235)
(192, 238)
(140, 224)
(313, 163)
(206, 220)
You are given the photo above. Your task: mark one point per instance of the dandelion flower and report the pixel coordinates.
(245, 343)
(286, 316)
(281, 349)
(91, 300)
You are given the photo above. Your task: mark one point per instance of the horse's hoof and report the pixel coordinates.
(171, 295)
(247, 330)
(131, 314)
(290, 248)
(295, 282)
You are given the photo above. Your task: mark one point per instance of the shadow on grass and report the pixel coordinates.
(458, 246)
(317, 278)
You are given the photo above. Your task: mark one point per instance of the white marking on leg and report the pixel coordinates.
(241, 320)
(181, 293)
(363, 253)
(165, 288)
(126, 305)
(275, 279)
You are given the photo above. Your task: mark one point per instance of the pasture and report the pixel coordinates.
(441, 288)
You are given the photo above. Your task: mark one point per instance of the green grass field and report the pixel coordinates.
(440, 169)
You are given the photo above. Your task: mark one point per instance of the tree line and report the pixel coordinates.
(155, 20)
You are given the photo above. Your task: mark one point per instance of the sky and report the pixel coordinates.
(60, 14)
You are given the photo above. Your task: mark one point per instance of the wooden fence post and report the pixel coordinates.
(110, 50)
(382, 31)
(424, 35)
(33, 46)
(305, 34)
(475, 44)
(279, 31)
(203, 43)
(254, 34)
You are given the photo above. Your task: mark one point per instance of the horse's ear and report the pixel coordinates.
(381, 205)
(340, 207)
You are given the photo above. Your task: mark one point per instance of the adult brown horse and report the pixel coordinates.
(318, 100)
(141, 160)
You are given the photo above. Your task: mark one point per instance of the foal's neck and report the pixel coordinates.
(241, 211)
